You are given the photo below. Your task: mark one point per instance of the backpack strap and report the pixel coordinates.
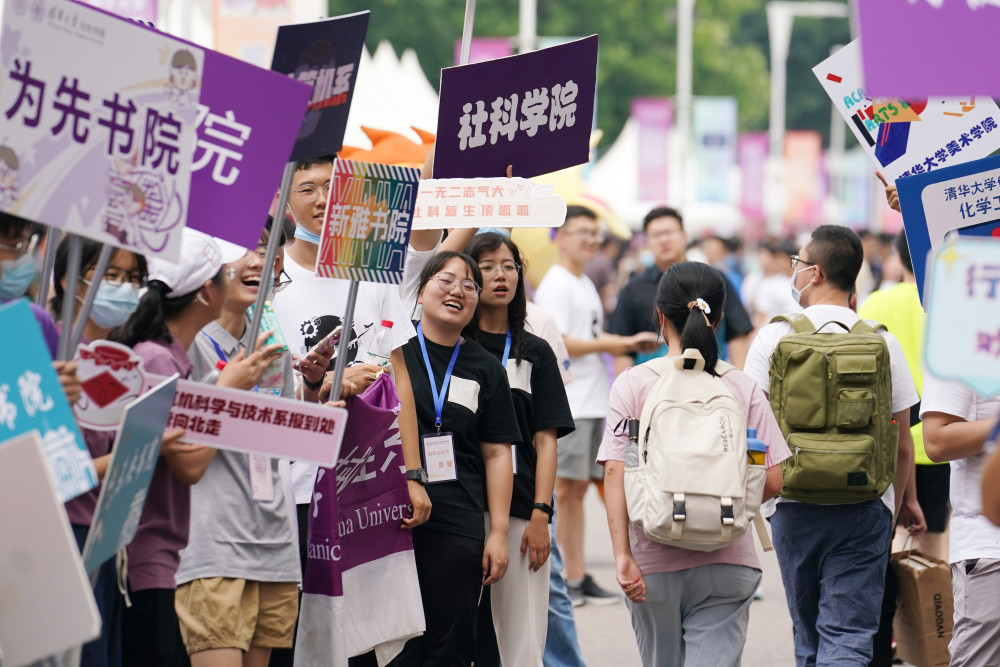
(765, 539)
(799, 322)
(868, 326)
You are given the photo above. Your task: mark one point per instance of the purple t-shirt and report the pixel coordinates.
(154, 554)
(628, 394)
(49, 332)
(80, 510)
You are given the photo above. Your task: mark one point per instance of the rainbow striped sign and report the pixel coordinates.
(368, 219)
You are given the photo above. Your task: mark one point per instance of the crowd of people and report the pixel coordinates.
(524, 391)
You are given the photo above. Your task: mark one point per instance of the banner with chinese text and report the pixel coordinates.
(99, 132)
(31, 398)
(367, 224)
(937, 132)
(324, 54)
(533, 111)
(444, 203)
(964, 198)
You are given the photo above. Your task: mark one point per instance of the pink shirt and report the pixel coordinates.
(154, 554)
(627, 397)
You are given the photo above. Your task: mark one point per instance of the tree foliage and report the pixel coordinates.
(638, 54)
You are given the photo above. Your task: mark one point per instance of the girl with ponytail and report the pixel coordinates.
(685, 602)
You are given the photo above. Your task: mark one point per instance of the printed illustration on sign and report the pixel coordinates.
(907, 137)
(111, 111)
(367, 224)
(111, 376)
(963, 287)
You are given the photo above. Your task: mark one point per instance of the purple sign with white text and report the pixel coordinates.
(248, 120)
(533, 111)
(922, 48)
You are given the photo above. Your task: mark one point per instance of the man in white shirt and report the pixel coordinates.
(956, 423)
(833, 557)
(568, 295)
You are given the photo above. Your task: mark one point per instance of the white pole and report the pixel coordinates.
(470, 17)
(779, 30)
(684, 95)
(527, 26)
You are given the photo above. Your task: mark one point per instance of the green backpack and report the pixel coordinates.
(832, 396)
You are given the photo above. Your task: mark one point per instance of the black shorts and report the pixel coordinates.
(933, 485)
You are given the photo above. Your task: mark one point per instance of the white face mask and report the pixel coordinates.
(796, 292)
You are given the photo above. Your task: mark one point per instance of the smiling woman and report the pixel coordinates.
(467, 422)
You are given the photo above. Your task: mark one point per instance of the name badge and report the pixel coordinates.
(261, 480)
(439, 457)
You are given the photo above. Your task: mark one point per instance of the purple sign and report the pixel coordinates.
(325, 54)
(534, 111)
(248, 120)
(751, 149)
(654, 115)
(920, 48)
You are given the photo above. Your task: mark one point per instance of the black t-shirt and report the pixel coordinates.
(540, 403)
(636, 309)
(478, 408)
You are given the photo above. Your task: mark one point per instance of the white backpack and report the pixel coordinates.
(692, 485)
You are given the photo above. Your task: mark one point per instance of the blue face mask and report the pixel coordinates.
(113, 304)
(304, 234)
(16, 276)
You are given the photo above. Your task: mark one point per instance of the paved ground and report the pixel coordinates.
(605, 633)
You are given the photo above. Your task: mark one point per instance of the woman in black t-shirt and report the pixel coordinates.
(517, 607)
(467, 422)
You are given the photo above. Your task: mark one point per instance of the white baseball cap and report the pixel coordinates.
(201, 258)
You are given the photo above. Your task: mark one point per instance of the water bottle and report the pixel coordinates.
(632, 448)
(213, 376)
(756, 449)
(381, 348)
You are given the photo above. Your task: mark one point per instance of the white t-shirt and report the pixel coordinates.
(774, 297)
(972, 534)
(575, 305)
(311, 307)
(904, 392)
(542, 325)
(416, 260)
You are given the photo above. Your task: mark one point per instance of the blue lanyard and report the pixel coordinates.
(218, 348)
(506, 350)
(438, 396)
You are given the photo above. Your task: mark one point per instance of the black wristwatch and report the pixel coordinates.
(313, 386)
(545, 507)
(418, 475)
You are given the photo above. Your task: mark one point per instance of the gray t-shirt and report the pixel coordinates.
(232, 535)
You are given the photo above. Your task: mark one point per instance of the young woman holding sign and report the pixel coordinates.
(513, 614)
(467, 422)
(180, 300)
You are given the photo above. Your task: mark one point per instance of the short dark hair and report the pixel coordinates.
(662, 212)
(837, 251)
(12, 226)
(575, 211)
(302, 165)
(903, 248)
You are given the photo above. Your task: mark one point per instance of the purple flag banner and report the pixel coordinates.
(920, 48)
(324, 54)
(360, 589)
(534, 111)
(654, 115)
(248, 121)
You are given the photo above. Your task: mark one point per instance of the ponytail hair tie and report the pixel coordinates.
(703, 306)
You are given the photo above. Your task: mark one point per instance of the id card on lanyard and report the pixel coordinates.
(261, 478)
(438, 448)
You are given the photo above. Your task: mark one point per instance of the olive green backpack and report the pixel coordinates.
(832, 396)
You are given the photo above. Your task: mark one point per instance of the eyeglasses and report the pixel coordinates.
(309, 191)
(510, 268)
(795, 260)
(282, 284)
(447, 282)
(118, 277)
(21, 247)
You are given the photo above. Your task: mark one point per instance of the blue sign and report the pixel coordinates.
(325, 54)
(130, 472)
(964, 198)
(32, 398)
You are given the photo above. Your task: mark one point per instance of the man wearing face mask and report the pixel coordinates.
(17, 271)
(833, 556)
